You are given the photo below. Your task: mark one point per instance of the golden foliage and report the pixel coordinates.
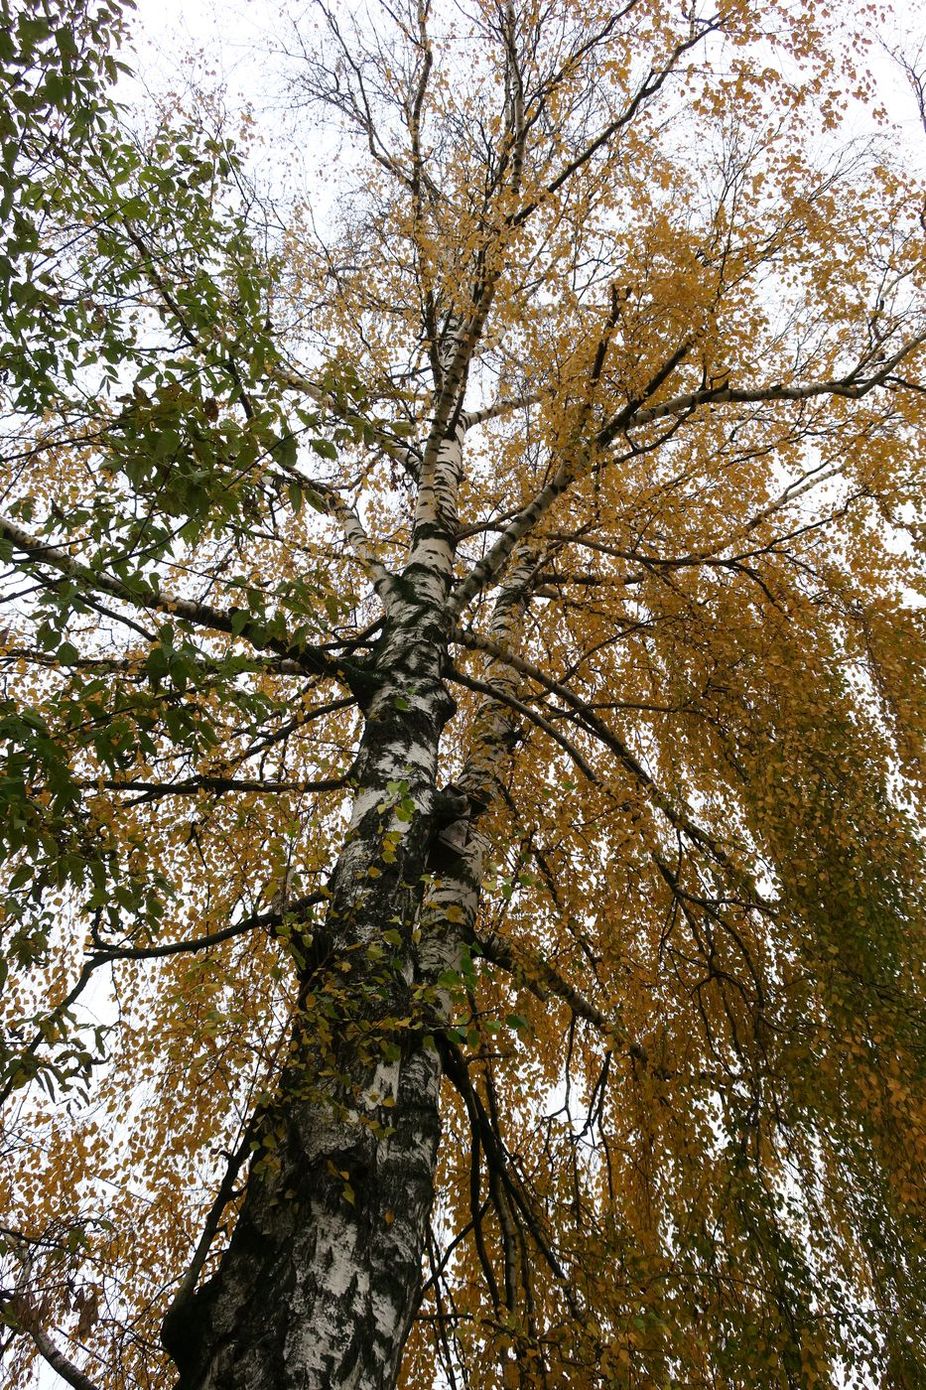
(685, 1130)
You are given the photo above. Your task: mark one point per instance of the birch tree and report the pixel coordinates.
(463, 699)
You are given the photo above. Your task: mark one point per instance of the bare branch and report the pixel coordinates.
(258, 921)
(330, 500)
(105, 955)
(56, 1358)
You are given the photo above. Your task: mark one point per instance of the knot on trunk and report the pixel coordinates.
(452, 809)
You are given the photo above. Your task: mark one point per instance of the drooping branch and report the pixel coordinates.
(526, 712)
(678, 816)
(531, 968)
(514, 1206)
(105, 955)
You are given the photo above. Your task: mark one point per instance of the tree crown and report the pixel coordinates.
(606, 364)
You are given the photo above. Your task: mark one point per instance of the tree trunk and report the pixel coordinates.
(319, 1284)
(320, 1281)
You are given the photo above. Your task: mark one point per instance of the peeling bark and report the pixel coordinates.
(320, 1281)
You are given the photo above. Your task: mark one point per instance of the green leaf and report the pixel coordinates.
(287, 451)
(324, 448)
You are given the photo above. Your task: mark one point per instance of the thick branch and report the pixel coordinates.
(853, 387)
(235, 1162)
(20, 1313)
(470, 418)
(526, 712)
(542, 979)
(355, 535)
(632, 416)
(310, 659)
(58, 1361)
(192, 785)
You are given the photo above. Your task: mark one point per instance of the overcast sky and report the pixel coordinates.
(237, 39)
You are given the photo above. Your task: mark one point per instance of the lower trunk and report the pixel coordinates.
(320, 1282)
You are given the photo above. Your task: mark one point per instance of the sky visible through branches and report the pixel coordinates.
(548, 516)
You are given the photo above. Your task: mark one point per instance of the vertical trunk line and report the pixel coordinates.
(458, 857)
(495, 729)
(320, 1281)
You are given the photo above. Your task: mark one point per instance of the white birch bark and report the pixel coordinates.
(319, 1285)
(320, 1281)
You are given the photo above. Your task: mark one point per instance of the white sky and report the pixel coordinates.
(237, 39)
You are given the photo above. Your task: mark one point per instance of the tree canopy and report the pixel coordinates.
(463, 708)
